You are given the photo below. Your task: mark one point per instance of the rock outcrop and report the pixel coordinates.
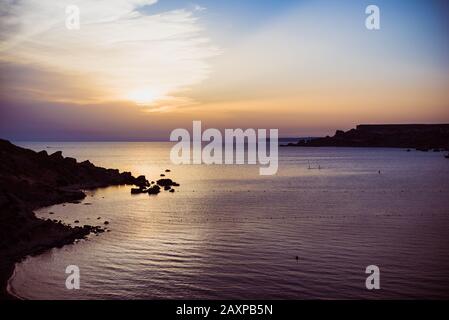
(30, 180)
(418, 136)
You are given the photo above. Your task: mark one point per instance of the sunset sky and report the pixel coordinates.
(137, 69)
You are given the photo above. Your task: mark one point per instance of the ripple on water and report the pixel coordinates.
(214, 243)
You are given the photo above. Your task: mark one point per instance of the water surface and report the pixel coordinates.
(228, 233)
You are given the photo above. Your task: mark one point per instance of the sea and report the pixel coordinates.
(308, 232)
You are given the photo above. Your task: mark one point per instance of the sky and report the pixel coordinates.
(138, 69)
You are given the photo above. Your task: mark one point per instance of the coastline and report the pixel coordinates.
(422, 137)
(9, 291)
(5, 276)
(9, 265)
(31, 180)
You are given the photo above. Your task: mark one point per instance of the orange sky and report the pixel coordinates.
(130, 73)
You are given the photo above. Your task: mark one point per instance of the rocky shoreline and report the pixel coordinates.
(30, 180)
(423, 137)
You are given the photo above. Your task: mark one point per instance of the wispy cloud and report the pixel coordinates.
(125, 53)
(197, 7)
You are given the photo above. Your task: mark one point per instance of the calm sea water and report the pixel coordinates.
(228, 233)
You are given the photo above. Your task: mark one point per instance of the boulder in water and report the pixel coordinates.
(154, 190)
(138, 190)
(165, 182)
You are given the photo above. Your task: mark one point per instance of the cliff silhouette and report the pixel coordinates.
(418, 136)
(30, 180)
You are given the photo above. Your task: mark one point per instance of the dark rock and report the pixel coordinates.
(106, 222)
(141, 181)
(127, 175)
(70, 161)
(43, 154)
(165, 182)
(166, 188)
(138, 190)
(419, 136)
(172, 190)
(167, 170)
(57, 156)
(154, 190)
(87, 163)
(31, 180)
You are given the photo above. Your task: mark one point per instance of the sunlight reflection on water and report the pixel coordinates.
(229, 233)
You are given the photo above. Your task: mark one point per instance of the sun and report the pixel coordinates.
(143, 96)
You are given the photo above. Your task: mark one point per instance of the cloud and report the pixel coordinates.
(197, 7)
(119, 49)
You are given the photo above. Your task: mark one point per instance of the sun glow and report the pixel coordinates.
(144, 96)
(120, 47)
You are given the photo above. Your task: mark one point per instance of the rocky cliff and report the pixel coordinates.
(419, 136)
(30, 180)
